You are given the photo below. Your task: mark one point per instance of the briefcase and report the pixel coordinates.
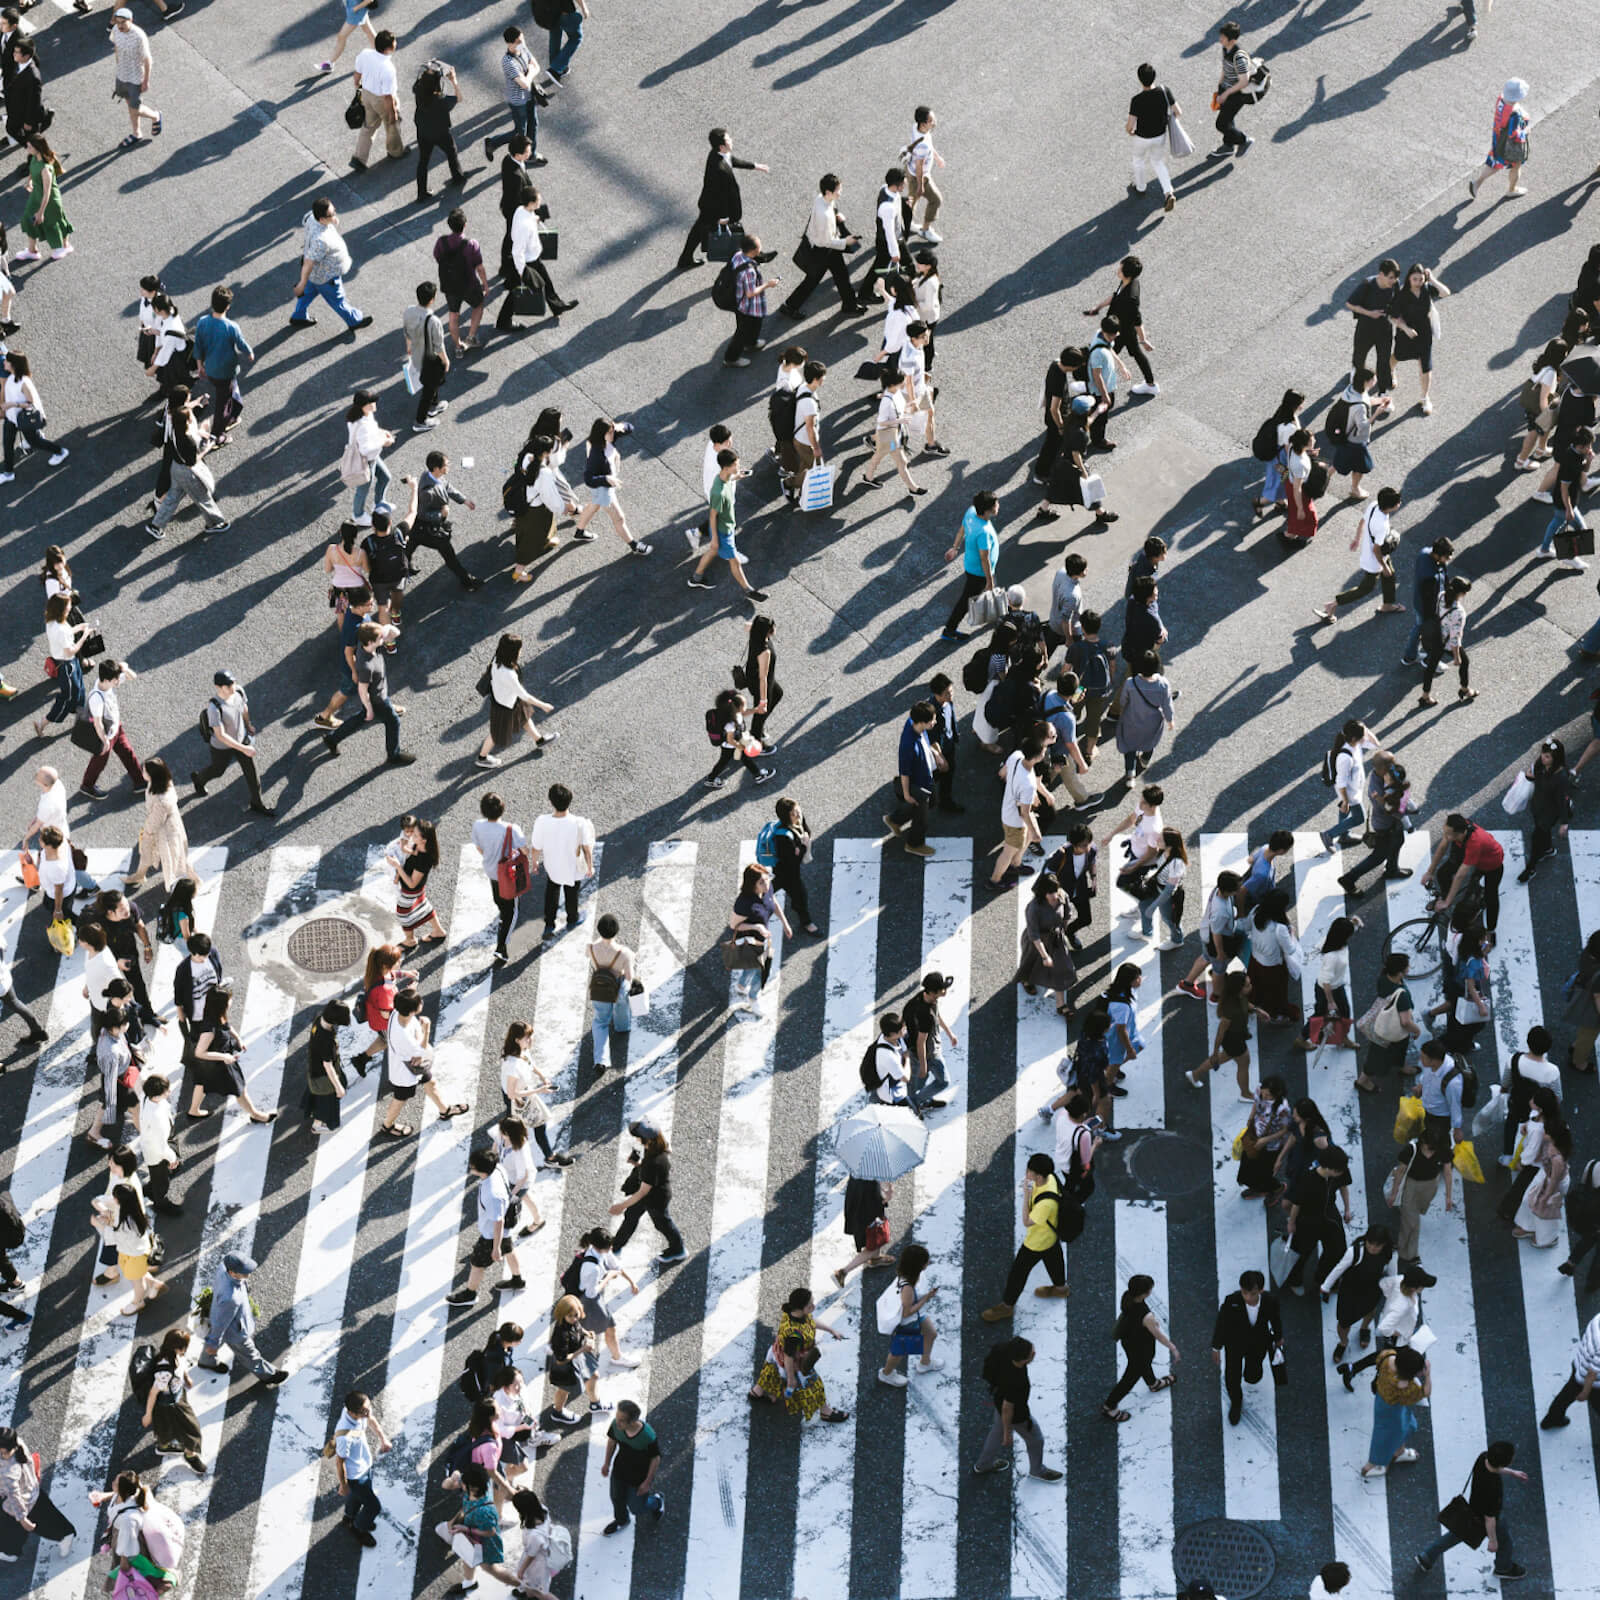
(723, 243)
(1574, 542)
(527, 300)
(549, 244)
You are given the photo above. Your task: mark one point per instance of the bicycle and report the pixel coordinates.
(1422, 939)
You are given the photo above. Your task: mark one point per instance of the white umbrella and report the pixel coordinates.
(882, 1142)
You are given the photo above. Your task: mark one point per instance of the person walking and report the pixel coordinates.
(914, 782)
(720, 204)
(1005, 1374)
(888, 437)
(1145, 712)
(1377, 543)
(564, 20)
(602, 477)
(511, 707)
(1149, 114)
(426, 356)
(498, 1221)
(44, 217)
(357, 19)
(431, 527)
(231, 736)
(409, 1067)
(915, 1331)
(572, 1363)
(924, 1055)
(525, 250)
(612, 967)
(326, 1084)
(372, 685)
(1574, 460)
(1580, 1382)
(723, 524)
(363, 465)
(1550, 804)
(1138, 1330)
(1508, 140)
(590, 1272)
(1476, 1515)
(1234, 92)
(824, 247)
(750, 291)
(522, 94)
(563, 844)
(221, 349)
(104, 715)
(1403, 1380)
(353, 1458)
(1373, 305)
(24, 414)
(378, 84)
(1249, 1333)
(463, 279)
(168, 1412)
(632, 1460)
(24, 1506)
(131, 76)
(789, 1375)
(1583, 1226)
(648, 1192)
(324, 260)
(1358, 1276)
(187, 443)
(1451, 627)
(979, 548)
(501, 844)
(232, 1322)
(1414, 315)
(1122, 304)
(431, 119)
(1043, 1231)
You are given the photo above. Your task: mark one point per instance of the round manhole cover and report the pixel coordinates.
(1168, 1164)
(327, 945)
(1233, 1557)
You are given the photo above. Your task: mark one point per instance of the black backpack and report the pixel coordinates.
(1317, 480)
(871, 1078)
(142, 1371)
(1264, 447)
(975, 675)
(514, 491)
(714, 726)
(572, 1277)
(1077, 1183)
(547, 13)
(1338, 424)
(725, 289)
(996, 1364)
(1069, 1213)
(781, 410)
(12, 1233)
(1469, 1083)
(474, 1381)
(386, 555)
(204, 723)
(1330, 768)
(455, 276)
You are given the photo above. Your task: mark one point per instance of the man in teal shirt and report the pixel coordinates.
(980, 549)
(220, 347)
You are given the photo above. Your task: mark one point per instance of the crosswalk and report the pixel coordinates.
(360, 1242)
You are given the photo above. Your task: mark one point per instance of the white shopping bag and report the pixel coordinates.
(409, 374)
(1094, 490)
(1518, 795)
(889, 1309)
(816, 489)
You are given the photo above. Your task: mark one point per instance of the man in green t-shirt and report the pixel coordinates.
(724, 526)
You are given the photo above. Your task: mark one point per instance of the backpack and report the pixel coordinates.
(1337, 425)
(474, 1382)
(572, 1275)
(560, 1557)
(166, 923)
(725, 289)
(455, 277)
(12, 1233)
(1330, 768)
(1317, 480)
(1469, 1083)
(1069, 1214)
(163, 1535)
(205, 717)
(459, 1454)
(386, 553)
(714, 726)
(781, 410)
(995, 1364)
(546, 13)
(514, 491)
(142, 1371)
(1260, 82)
(1264, 447)
(1092, 665)
(604, 985)
(767, 844)
(871, 1078)
(975, 675)
(1078, 1181)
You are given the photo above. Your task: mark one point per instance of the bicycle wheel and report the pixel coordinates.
(1420, 940)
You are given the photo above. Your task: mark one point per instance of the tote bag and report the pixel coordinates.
(354, 468)
(816, 489)
(986, 608)
(1179, 144)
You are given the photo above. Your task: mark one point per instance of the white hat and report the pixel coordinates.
(122, 11)
(1515, 89)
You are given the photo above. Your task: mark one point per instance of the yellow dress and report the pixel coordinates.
(809, 1398)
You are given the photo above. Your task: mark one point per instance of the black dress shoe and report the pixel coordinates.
(1399, 872)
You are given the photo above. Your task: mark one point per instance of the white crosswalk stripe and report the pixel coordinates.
(726, 1540)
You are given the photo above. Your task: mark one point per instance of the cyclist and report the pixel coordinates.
(1479, 850)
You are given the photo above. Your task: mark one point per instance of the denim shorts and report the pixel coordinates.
(726, 548)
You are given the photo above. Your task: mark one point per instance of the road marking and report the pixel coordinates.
(1146, 1103)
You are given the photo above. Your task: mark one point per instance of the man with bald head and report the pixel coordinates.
(51, 811)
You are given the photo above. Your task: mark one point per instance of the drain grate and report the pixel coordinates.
(327, 945)
(1167, 1164)
(1236, 1559)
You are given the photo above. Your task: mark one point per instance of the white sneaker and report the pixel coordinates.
(936, 1364)
(1192, 1081)
(60, 456)
(1574, 565)
(1172, 944)
(931, 236)
(541, 1438)
(623, 1361)
(895, 1380)
(1145, 388)
(364, 521)
(6, 477)
(1542, 496)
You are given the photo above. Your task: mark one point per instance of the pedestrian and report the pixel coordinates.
(1440, 1088)
(1105, 368)
(1475, 1516)
(168, 1412)
(188, 443)
(1404, 1378)
(1578, 1386)
(511, 706)
(563, 843)
(612, 970)
(1427, 600)
(1573, 464)
(1044, 961)
(592, 1270)
(543, 502)
(650, 1194)
(124, 1224)
(1061, 386)
(1550, 804)
(915, 1332)
(326, 1084)
(1349, 431)
(24, 1506)
(366, 441)
(750, 935)
(1005, 1374)
(632, 1459)
(1144, 712)
(61, 883)
(1138, 1330)
(23, 82)
(1276, 434)
(498, 1220)
(387, 550)
(1019, 825)
(522, 94)
(1358, 1276)
(463, 278)
(1149, 115)
(750, 301)
(890, 230)
(1538, 398)
(1391, 995)
(9, 1002)
(790, 1374)
(789, 838)
(1234, 93)
(24, 414)
(119, 1069)
(1314, 1233)
(720, 205)
(127, 938)
(1508, 140)
(378, 86)
(1044, 1231)
(723, 523)
(431, 119)
(372, 685)
(888, 436)
(131, 80)
(381, 982)
(1345, 766)
(1583, 1225)
(357, 19)
(1377, 544)
(824, 246)
(430, 526)
(1414, 315)
(566, 18)
(924, 1053)
(104, 716)
(213, 1056)
(409, 1066)
(1122, 304)
(426, 357)
(1451, 626)
(572, 1362)
(500, 843)
(1235, 1007)
(1373, 304)
(866, 1220)
(946, 738)
(353, 1457)
(602, 476)
(526, 255)
(194, 981)
(1582, 988)
(473, 1534)
(1249, 1333)
(412, 908)
(979, 548)
(1331, 996)
(324, 260)
(221, 349)
(1547, 1148)
(802, 449)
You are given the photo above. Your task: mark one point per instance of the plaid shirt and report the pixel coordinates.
(750, 297)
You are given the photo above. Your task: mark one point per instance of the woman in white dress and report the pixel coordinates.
(163, 840)
(1546, 1143)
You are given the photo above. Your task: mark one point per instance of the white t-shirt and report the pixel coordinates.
(405, 1050)
(1374, 531)
(891, 408)
(789, 379)
(928, 290)
(806, 407)
(1021, 790)
(378, 75)
(51, 812)
(1350, 773)
(494, 1196)
(1065, 1130)
(155, 1131)
(126, 1521)
(506, 687)
(514, 1166)
(1299, 466)
(919, 153)
(596, 1264)
(914, 364)
(490, 838)
(895, 322)
(58, 640)
(100, 971)
(891, 1065)
(709, 468)
(368, 435)
(514, 1069)
(557, 839)
(1537, 1070)
(1146, 833)
(1546, 378)
(889, 216)
(58, 874)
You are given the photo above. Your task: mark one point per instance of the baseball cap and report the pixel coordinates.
(222, 679)
(936, 982)
(243, 1265)
(644, 1130)
(124, 12)
(1082, 405)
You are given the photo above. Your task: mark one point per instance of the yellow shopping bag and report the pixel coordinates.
(1465, 1161)
(61, 936)
(1238, 1142)
(1408, 1121)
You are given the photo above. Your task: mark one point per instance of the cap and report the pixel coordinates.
(1515, 89)
(122, 11)
(936, 982)
(1082, 405)
(243, 1265)
(223, 679)
(644, 1130)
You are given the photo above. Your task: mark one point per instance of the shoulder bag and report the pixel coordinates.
(1179, 144)
(1460, 1520)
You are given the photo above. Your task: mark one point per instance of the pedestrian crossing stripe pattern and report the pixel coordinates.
(721, 1546)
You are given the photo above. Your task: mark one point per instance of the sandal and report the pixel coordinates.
(1069, 1012)
(1466, 694)
(1366, 1086)
(454, 1111)
(269, 1116)
(1114, 1416)
(397, 1130)
(1162, 1383)
(831, 1415)
(838, 1276)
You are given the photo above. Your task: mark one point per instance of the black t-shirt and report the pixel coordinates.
(919, 1019)
(1015, 1387)
(1372, 296)
(1570, 469)
(752, 667)
(1422, 1167)
(432, 116)
(1148, 109)
(1487, 1493)
(371, 670)
(1055, 386)
(1413, 309)
(1125, 305)
(633, 1458)
(656, 1170)
(1134, 1336)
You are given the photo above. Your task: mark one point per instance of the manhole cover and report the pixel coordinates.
(327, 945)
(1168, 1164)
(1233, 1557)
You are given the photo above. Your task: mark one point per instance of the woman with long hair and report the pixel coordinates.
(411, 903)
(761, 674)
(24, 414)
(1268, 1137)
(326, 1084)
(1235, 1004)
(371, 440)
(1138, 1330)
(1172, 866)
(1413, 306)
(1285, 423)
(63, 642)
(126, 1226)
(511, 1145)
(167, 1410)
(731, 714)
(573, 1362)
(533, 1568)
(1539, 404)
(914, 1332)
(44, 218)
(1275, 959)
(602, 477)
(347, 569)
(533, 523)
(380, 983)
(1332, 995)
(214, 1052)
(163, 840)
(511, 707)
(523, 1087)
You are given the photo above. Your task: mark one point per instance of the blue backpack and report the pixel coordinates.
(767, 845)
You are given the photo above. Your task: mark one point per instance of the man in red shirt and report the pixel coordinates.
(1479, 850)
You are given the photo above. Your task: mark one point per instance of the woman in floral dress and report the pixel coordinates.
(790, 1373)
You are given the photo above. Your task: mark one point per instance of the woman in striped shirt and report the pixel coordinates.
(1452, 625)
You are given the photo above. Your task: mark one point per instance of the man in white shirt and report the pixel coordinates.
(490, 836)
(886, 436)
(155, 1143)
(379, 83)
(105, 718)
(51, 812)
(806, 445)
(890, 227)
(826, 245)
(1069, 1121)
(563, 844)
(410, 1063)
(494, 1205)
(527, 261)
(889, 1063)
(10, 1002)
(1349, 782)
(919, 159)
(1016, 815)
(1377, 544)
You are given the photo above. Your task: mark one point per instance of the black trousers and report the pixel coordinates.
(1250, 1366)
(1134, 1371)
(726, 757)
(758, 722)
(1578, 1246)
(221, 758)
(158, 1183)
(971, 584)
(554, 893)
(383, 714)
(534, 269)
(700, 233)
(1375, 337)
(1022, 1265)
(437, 536)
(1231, 107)
(429, 382)
(914, 812)
(1048, 450)
(1128, 343)
(746, 335)
(9, 1002)
(1097, 427)
(1568, 1392)
(787, 878)
(656, 1209)
(945, 778)
(425, 149)
(507, 908)
(825, 262)
(1385, 852)
(1082, 913)
(1491, 896)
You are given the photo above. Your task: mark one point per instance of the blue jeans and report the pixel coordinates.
(333, 292)
(936, 1080)
(1557, 523)
(378, 483)
(1413, 639)
(1448, 1541)
(625, 1499)
(361, 1508)
(565, 38)
(746, 982)
(1163, 904)
(382, 712)
(610, 1016)
(524, 119)
(69, 690)
(1355, 817)
(1591, 640)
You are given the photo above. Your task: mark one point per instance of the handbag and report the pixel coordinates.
(1515, 152)
(52, 667)
(80, 860)
(1467, 1014)
(877, 1235)
(94, 644)
(86, 737)
(803, 253)
(549, 244)
(888, 1308)
(722, 243)
(527, 300)
(1179, 144)
(512, 875)
(355, 114)
(986, 608)
(1093, 489)
(29, 871)
(741, 955)
(485, 684)
(1280, 1260)
(1574, 542)
(816, 489)
(354, 468)
(1459, 1519)
(1518, 795)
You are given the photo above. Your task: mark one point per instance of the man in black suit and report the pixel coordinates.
(720, 200)
(1249, 1329)
(515, 180)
